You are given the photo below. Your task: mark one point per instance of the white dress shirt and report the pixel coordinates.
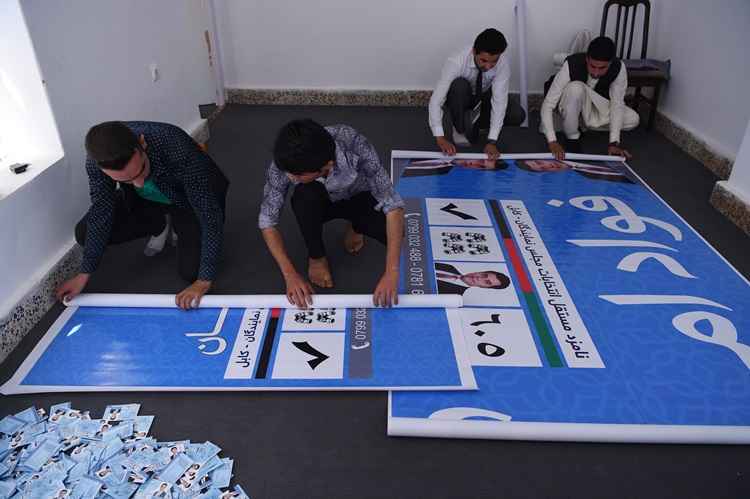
(462, 65)
(616, 101)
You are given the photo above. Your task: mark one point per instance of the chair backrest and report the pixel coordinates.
(622, 39)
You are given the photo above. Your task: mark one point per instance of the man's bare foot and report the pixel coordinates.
(353, 241)
(319, 272)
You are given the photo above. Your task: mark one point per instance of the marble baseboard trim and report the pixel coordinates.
(305, 97)
(314, 97)
(720, 165)
(36, 303)
(731, 205)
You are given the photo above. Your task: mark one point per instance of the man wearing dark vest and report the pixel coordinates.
(149, 179)
(590, 88)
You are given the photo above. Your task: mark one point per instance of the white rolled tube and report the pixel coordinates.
(525, 155)
(259, 301)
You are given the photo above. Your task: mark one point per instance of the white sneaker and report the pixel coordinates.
(460, 139)
(156, 244)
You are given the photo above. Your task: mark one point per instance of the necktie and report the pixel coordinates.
(443, 275)
(478, 92)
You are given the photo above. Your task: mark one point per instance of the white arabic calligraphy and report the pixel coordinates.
(631, 263)
(221, 343)
(723, 332)
(460, 413)
(634, 224)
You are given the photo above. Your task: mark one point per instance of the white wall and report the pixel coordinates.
(388, 44)
(739, 180)
(27, 127)
(94, 57)
(707, 43)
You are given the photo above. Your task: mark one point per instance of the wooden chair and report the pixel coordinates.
(640, 74)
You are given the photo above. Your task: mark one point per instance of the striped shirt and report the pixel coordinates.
(357, 169)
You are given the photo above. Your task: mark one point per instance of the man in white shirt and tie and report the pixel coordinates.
(472, 95)
(590, 87)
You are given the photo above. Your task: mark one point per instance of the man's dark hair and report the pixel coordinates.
(490, 41)
(601, 49)
(111, 144)
(504, 280)
(303, 146)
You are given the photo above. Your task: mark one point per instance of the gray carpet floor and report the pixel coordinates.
(334, 445)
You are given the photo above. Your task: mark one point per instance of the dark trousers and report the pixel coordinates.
(135, 218)
(313, 207)
(460, 102)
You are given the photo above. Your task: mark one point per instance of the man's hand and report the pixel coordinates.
(386, 292)
(190, 297)
(557, 150)
(72, 287)
(446, 146)
(614, 150)
(491, 151)
(298, 291)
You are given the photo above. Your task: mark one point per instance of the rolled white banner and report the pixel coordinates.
(259, 301)
(396, 154)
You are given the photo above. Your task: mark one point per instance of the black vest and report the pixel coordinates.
(579, 72)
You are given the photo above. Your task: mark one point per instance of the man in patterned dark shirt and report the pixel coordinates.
(146, 179)
(336, 173)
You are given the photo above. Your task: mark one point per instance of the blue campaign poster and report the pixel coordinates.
(116, 348)
(592, 311)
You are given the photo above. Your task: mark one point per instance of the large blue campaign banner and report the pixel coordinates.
(592, 311)
(126, 349)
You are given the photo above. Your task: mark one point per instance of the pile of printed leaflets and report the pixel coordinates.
(69, 455)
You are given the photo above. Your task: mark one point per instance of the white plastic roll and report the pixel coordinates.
(525, 155)
(260, 301)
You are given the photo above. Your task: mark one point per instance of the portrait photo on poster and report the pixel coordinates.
(480, 284)
(591, 171)
(441, 166)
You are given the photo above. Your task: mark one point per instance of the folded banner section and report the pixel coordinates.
(144, 342)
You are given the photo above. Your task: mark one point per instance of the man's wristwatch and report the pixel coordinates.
(492, 141)
(615, 144)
